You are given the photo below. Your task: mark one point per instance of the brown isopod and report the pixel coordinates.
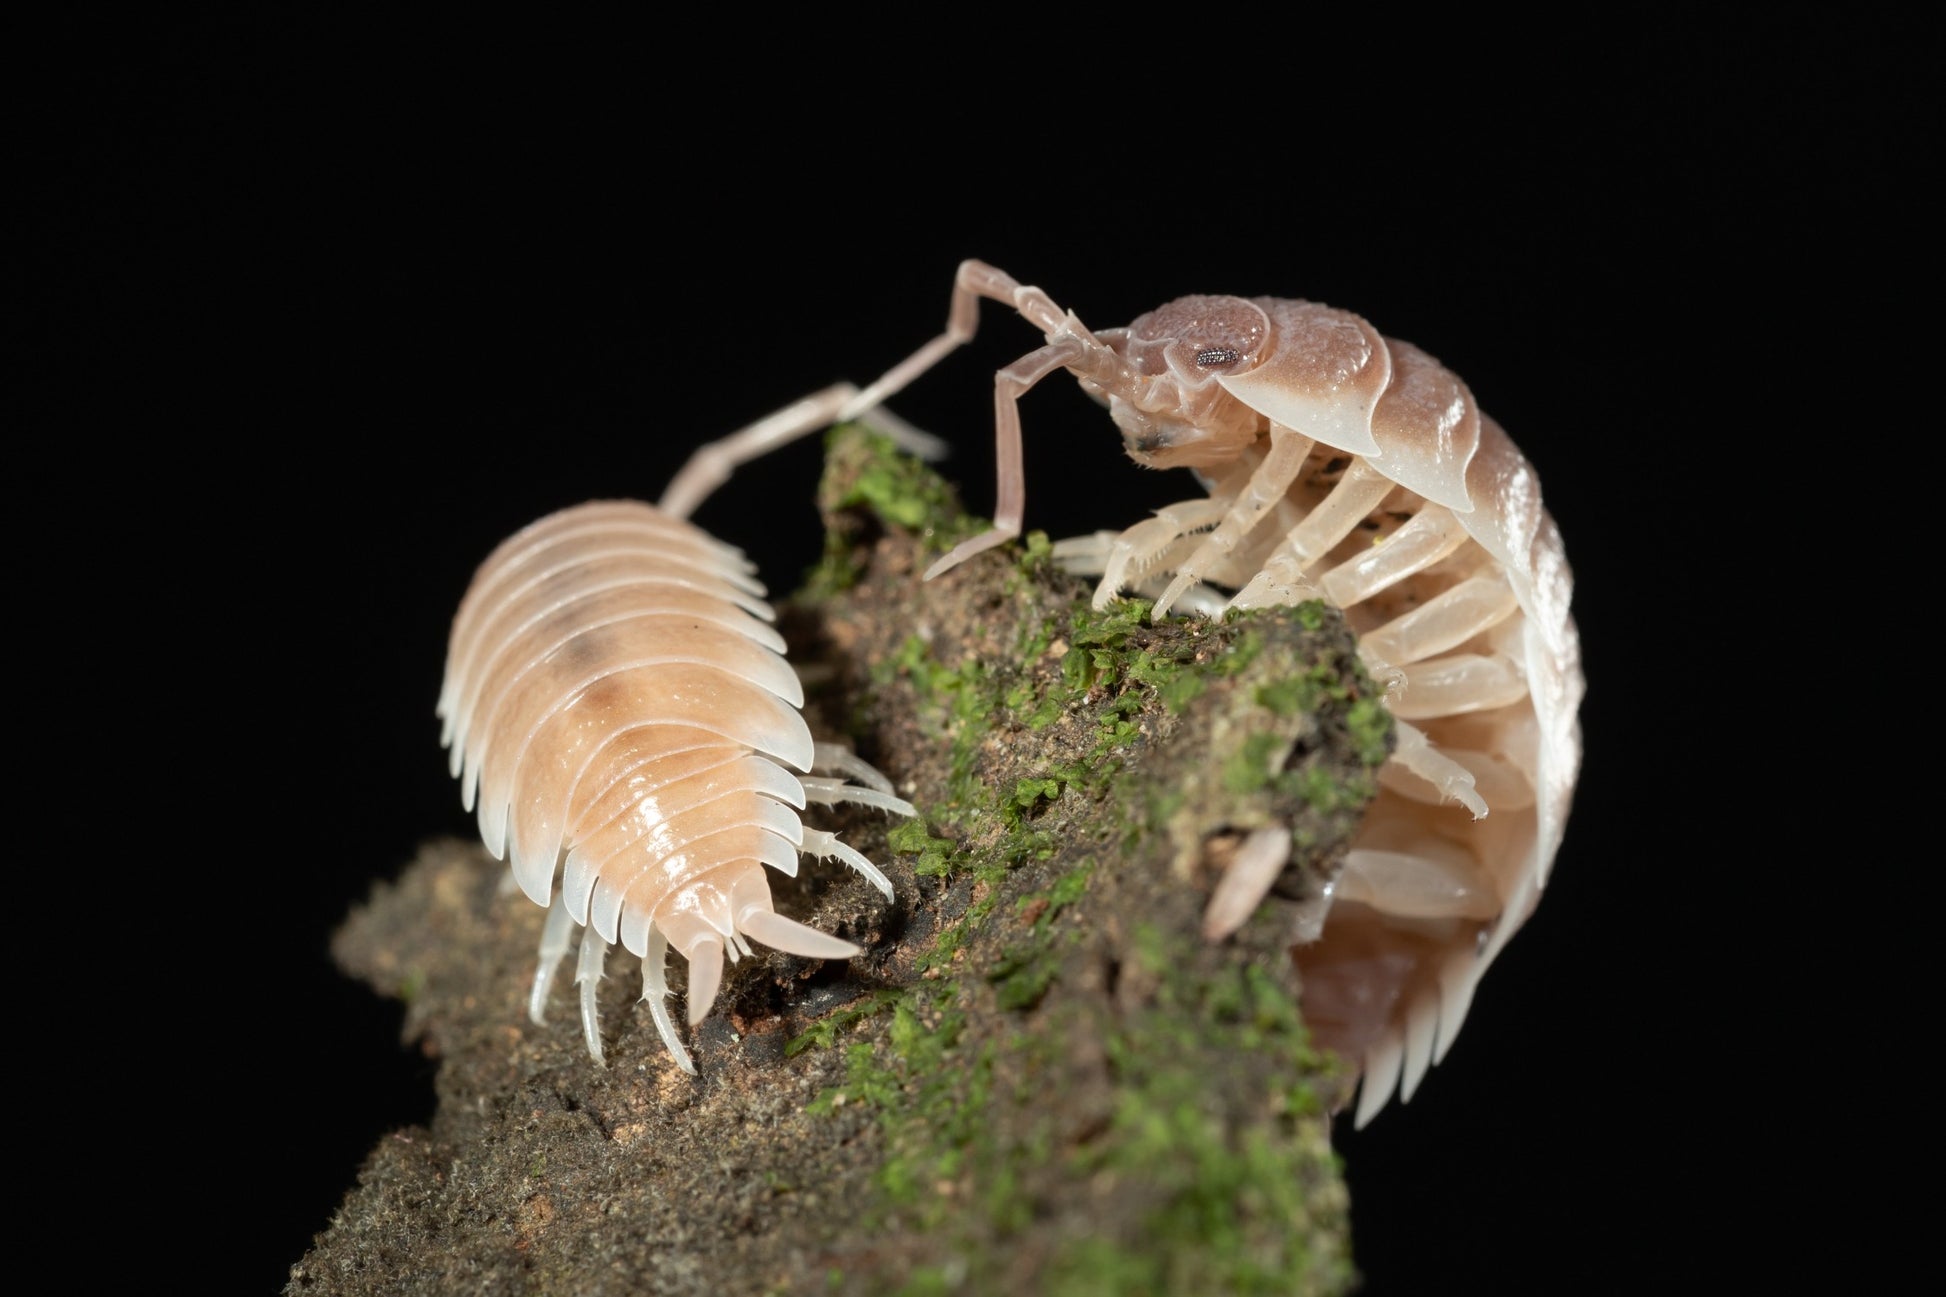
(1344, 466)
(619, 707)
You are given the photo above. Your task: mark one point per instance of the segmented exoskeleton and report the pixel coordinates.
(1344, 466)
(619, 707)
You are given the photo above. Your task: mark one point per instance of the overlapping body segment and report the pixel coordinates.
(1344, 466)
(614, 691)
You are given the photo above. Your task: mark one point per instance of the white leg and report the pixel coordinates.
(1459, 682)
(837, 759)
(1197, 600)
(825, 846)
(1267, 485)
(1431, 535)
(555, 935)
(711, 464)
(1252, 871)
(1282, 581)
(1415, 886)
(1415, 752)
(1444, 622)
(835, 792)
(587, 976)
(655, 990)
(1085, 555)
(1142, 546)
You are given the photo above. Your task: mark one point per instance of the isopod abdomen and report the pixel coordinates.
(620, 713)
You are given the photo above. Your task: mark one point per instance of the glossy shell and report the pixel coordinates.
(1344, 466)
(620, 713)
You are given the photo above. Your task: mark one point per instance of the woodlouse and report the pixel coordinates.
(1345, 466)
(619, 707)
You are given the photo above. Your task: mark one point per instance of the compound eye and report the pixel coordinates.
(1213, 357)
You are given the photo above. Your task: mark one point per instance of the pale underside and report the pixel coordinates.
(1434, 884)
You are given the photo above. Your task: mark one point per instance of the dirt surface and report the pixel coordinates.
(1038, 1077)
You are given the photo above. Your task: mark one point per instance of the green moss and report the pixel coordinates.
(865, 471)
(1033, 564)
(1307, 691)
(838, 569)
(1232, 1212)
(927, 1098)
(1229, 1211)
(1371, 729)
(957, 704)
(1248, 769)
(896, 487)
(1024, 972)
(1256, 767)
(1241, 656)
(1185, 689)
(1029, 793)
(825, 1032)
(1021, 978)
(1311, 613)
(1063, 894)
(1209, 1167)
(912, 838)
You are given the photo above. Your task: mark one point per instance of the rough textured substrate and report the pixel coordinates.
(1037, 1078)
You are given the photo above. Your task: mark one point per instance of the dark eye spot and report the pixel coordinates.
(1209, 356)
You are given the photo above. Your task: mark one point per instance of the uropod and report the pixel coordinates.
(618, 706)
(1345, 466)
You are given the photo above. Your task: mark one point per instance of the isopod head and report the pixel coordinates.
(1167, 395)
(1198, 373)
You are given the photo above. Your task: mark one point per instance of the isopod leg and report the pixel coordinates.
(832, 792)
(1247, 881)
(555, 935)
(1432, 534)
(1010, 475)
(1282, 581)
(825, 846)
(711, 464)
(1415, 752)
(837, 759)
(1443, 622)
(655, 990)
(1122, 560)
(1089, 556)
(971, 282)
(1407, 885)
(587, 976)
(1268, 484)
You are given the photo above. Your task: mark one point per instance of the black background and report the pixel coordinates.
(363, 303)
